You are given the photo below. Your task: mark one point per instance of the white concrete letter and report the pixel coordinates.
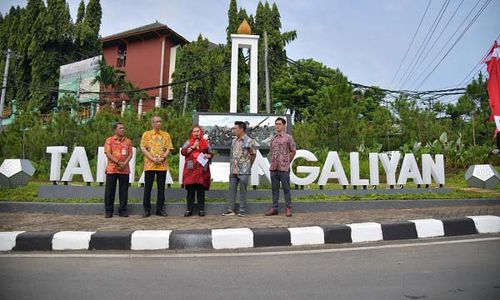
(131, 165)
(409, 169)
(354, 162)
(55, 161)
(182, 161)
(390, 165)
(102, 162)
(333, 160)
(433, 170)
(78, 165)
(374, 175)
(260, 167)
(312, 171)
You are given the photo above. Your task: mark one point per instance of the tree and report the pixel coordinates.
(42, 38)
(335, 115)
(11, 24)
(232, 20)
(79, 29)
(297, 83)
(81, 12)
(54, 36)
(93, 16)
(22, 72)
(201, 58)
(88, 30)
(268, 20)
(110, 78)
(471, 112)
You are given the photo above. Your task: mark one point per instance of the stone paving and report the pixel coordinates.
(60, 222)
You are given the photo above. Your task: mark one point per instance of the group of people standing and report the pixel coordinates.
(156, 146)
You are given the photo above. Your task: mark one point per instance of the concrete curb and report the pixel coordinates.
(238, 238)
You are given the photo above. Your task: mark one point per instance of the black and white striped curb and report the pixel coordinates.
(237, 238)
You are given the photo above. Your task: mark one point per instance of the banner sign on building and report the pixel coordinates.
(77, 77)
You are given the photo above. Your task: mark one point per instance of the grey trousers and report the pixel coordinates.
(234, 180)
(284, 177)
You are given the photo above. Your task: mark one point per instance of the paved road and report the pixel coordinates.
(457, 270)
(58, 222)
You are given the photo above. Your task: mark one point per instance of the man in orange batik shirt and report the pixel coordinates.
(118, 150)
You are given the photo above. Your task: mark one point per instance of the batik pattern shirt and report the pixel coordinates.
(240, 158)
(120, 149)
(281, 146)
(156, 143)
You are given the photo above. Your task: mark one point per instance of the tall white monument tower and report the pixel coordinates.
(244, 39)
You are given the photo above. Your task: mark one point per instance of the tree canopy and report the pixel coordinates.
(42, 37)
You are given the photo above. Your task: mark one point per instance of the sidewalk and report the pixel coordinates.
(60, 222)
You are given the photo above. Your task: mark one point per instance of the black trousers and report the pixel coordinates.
(193, 189)
(149, 177)
(284, 178)
(110, 191)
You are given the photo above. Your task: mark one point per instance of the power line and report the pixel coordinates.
(442, 92)
(452, 36)
(436, 40)
(411, 43)
(479, 63)
(458, 39)
(409, 71)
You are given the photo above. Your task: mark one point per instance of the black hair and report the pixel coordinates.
(115, 124)
(280, 119)
(241, 125)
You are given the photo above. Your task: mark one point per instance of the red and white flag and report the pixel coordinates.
(493, 62)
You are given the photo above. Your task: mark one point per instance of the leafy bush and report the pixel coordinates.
(28, 137)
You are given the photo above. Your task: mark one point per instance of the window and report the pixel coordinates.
(121, 60)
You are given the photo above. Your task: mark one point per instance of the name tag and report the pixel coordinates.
(124, 152)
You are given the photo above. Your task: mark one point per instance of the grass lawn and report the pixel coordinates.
(454, 180)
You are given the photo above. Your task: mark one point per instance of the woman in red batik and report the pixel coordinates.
(196, 175)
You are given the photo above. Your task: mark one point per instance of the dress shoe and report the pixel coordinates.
(271, 212)
(109, 214)
(146, 214)
(161, 213)
(288, 212)
(123, 214)
(229, 212)
(201, 213)
(188, 213)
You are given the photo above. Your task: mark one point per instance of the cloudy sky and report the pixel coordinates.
(366, 39)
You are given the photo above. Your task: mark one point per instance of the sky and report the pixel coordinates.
(365, 39)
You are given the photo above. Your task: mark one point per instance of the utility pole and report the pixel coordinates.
(4, 87)
(266, 67)
(185, 98)
(473, 130)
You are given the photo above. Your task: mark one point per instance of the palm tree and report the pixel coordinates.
(109, 78)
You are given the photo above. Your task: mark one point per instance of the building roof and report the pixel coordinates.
(150, 30)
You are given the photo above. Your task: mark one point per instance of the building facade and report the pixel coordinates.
(147, 56)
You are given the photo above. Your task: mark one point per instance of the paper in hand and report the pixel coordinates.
(202, 160)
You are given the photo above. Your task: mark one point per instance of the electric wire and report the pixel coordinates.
(410, 69)
(456, 41)
(411, 43)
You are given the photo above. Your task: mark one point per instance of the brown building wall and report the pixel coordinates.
(144, 61)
